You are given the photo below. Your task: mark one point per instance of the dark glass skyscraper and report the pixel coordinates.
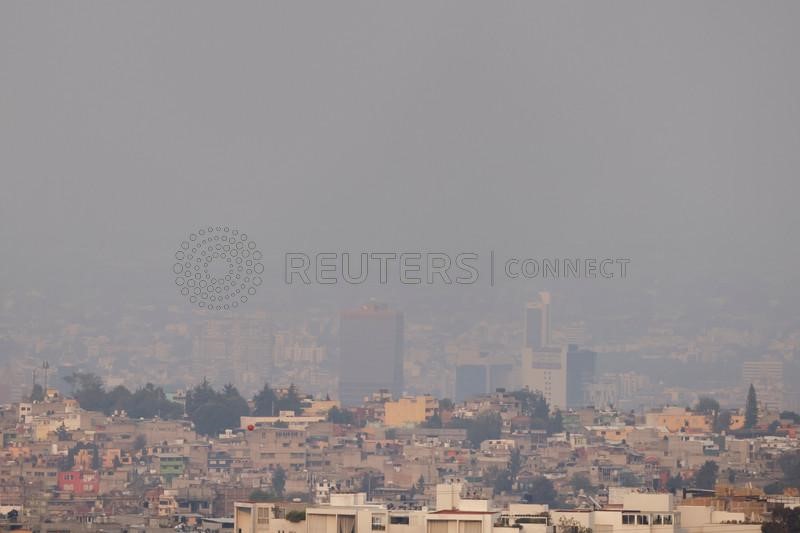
(371, 352)
(580, 374)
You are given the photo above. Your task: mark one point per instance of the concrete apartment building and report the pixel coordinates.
(271, 447)
(409, 411)
(628, 511)
(264, 517)
(675, 419)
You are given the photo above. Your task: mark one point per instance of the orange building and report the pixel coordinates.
(676, 419)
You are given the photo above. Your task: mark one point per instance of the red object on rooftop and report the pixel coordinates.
(250, 427)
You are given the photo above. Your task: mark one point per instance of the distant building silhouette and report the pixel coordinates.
(580, 375)
(481, 373)
(537, 322)
(563, 373)
(545, 370)
(371, 352)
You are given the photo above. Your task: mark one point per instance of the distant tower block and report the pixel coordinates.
(537, 322)
(371, 352)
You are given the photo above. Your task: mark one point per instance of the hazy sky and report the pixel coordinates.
(666, 132)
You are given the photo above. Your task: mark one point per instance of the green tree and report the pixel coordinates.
(534, 406)
(722, 421)
(706, 477)
(295, 516)
(37, 393)
(514, 464)
(581, 482)
(555, 423)
(139, 442)
(751, 409)
(199, 396)
(783, 520)
(213, 412)
(259, 495)
(291, 401)
(706, 405)
(789, 464)
(435, 421)
(119, 399)
(485, 426)
(675, 483)
(265, 402)
(340, 416)
(420, 484)
(710, 407)
(212, 418)
(68, 462)
(499, 479)
(541, 491)
(88, 390)
(62, 433)
(571, 525)
(147, 402)
(629, 479)
(279, 481)
(235, 402)
(776, 487)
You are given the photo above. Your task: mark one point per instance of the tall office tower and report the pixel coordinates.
(544, 370)
(371, 352)
(579, 375)
(537, 322)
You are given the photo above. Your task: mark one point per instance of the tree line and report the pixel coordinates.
(212, 411)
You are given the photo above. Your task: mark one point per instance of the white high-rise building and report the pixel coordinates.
(537, 322)
(545, 370)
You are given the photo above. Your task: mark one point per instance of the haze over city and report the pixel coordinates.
(549, 244)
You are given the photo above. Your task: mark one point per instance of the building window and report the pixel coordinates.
(263, 515)
(378, 523)
(628, 519)
(642, 519)
(404, 520)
